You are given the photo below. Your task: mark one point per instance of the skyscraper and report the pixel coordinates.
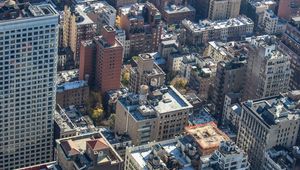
(28, 56)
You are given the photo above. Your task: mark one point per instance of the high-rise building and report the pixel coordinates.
(268, 69)
(272, 24)
(290, 45)
(100, 12)
(255, 10)
(143, 27)
(223, 9)
(101, 60)
(288, 8)
(28, 58)
(266, 123)
(109, 58)
(77, 26)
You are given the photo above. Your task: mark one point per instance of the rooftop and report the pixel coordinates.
(201, 117)
(205, 25)
(71, 85)
(69, 119)
(135, 11)
(283, 158)
(76, 149)
(274, 110)
(113, 138)
(208, 136)
(166, 99)
(12, 10)
(81, 17)
(96, 7)
(169, 154)
(67, 76)
(171, 9)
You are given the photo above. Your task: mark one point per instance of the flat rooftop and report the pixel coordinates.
(12, 10)
(170, 151)
(213, 25)
(201, 117)
(96, 7)
(208, 136)
(72, 119)
(282, 157)
(71, 85)
(67, 76)
(276, 109)
(113, 138)
(173, 9)
(170, 100)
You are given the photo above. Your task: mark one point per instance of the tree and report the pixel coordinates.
(179, 83)
(125, 77)
(97, 114)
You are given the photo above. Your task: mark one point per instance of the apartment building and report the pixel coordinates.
(152, 115)
(290, 44)
(279, 157)
(100, 12)
(28, 58)
(90, 151)
(147, 72)
(77, 26)
(109, 59)
(157, 155)
(225, 30)
(288, 9)
(266, 123)
(207, 136)
(227, 156)
(255, 9)
(143, 30)
(102, 59)
(174, 13)
(74, 93)
(272, 24)
(268, 69)
(230, 78)
(223, 9)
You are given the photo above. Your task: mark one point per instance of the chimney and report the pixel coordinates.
(109, 34)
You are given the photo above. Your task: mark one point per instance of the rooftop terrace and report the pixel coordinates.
(71, 85)
(12, 10)
(169, 154)
(213, 25)
(208, 136)
(167, 99)
(276, 109)
(171, 9)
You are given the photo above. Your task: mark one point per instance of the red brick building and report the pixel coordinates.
(87, 60)
(101, 61)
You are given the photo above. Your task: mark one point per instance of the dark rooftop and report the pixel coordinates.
(275, 109)
(11, 10)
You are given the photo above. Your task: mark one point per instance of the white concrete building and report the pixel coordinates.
(268, 69)
(157, 155)
(268, 122)
(28, 59)
(228, 156)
